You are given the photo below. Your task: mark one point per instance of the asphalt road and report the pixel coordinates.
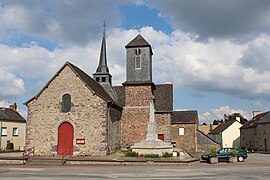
(257, 166)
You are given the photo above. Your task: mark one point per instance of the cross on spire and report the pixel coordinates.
(104, 27)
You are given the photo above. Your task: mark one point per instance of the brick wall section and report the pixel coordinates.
(187, 141)
(88, 117)
(135, 115)
(204, 143)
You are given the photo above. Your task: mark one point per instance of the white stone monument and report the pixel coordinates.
(152, 145)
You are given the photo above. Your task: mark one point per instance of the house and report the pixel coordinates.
(184, 129)
(255, 134)
(80, 115)
(13, 127)
(227, 134)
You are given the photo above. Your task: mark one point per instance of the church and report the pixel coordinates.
(87, 116)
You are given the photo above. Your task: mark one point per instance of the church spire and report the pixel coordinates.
(102, 74)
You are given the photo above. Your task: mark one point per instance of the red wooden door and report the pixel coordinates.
(65, 139)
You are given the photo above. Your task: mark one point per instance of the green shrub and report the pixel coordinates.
(166, 154)
(213, 151)
(10, 146)
(129, 153)
(233, 152)
(151, 156)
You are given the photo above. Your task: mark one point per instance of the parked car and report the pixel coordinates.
(224, 154)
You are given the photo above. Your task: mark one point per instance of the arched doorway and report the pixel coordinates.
(65, 139)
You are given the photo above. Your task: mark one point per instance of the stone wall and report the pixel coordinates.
(256, 138)
(204, 143)
(188, 141)
(163, 121)
(88, 117)
(263, 136)
(114, 129)
(135, 115)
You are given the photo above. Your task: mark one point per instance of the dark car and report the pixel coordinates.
(224, 154)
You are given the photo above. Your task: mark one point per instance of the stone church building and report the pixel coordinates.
(80, 115)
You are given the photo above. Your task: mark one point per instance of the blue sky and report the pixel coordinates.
(216, 53)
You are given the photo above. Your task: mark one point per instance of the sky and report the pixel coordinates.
(215, 52)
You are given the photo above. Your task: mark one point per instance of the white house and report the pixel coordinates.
(12, 128)
(227, 134)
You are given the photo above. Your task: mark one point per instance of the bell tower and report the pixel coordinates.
(139, 61)
(139, 91)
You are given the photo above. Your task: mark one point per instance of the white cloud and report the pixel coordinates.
(10, 85)
(256, 54)
(235, 19)
(67, 22)
(217, 114)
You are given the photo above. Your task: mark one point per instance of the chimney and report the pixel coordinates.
(255, 113)
(13, 107)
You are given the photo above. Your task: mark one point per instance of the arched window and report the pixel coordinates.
(66, 103)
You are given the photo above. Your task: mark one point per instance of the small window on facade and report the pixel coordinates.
(103, 79)
(66, 103)
(97, 79)
(181, 131)
(137, 62)
(15, 132)
(161, 137)
(4, 131)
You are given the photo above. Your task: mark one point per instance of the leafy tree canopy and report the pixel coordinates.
(235, 116)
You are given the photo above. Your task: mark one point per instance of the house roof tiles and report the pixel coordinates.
(258, 119)
(8, 114)
(221, 127)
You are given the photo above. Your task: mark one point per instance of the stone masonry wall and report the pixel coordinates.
(88, 117)
(263, 137)
(164, 125)
(204, 143)
(248, 138)
(188, 141)
(135, 114)
(115, 129)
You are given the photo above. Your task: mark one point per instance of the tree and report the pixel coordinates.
(235, 117)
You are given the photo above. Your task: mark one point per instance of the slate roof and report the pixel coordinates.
(139, 41)
(120, 92)
(91, 83)
(258, 119)
(8, 114)
(185, 117)
(163, 97)
(221, 127)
